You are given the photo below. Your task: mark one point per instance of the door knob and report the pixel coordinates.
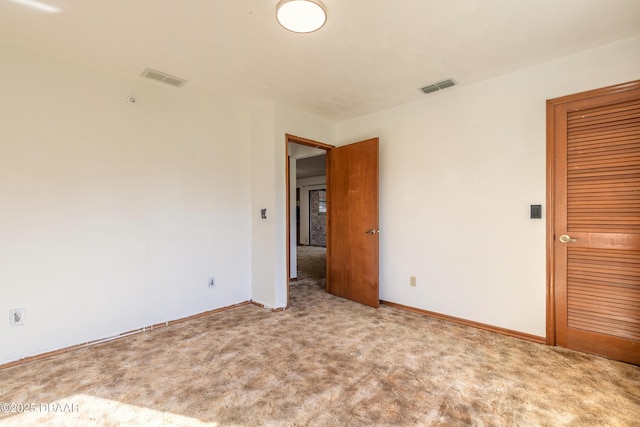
(565, 238)
(372, 231)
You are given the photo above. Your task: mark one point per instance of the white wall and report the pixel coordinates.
(305, 185)
(458, 172)
(263, 231)
(113, 215)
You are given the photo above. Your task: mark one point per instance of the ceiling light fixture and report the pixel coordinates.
(43, 7)
(301, 16)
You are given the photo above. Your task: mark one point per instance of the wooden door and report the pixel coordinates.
(594, 229)
(352, 239)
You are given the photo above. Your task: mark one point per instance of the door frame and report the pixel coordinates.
(309, 143)
(552, 155)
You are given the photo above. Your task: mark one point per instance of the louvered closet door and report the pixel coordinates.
(597, 225)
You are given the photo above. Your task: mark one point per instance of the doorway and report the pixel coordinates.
(593, 222)
(306, 177)
(352, 256)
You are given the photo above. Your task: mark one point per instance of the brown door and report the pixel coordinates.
(352, 239)
(594, 233)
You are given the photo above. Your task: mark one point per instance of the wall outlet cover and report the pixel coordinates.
(16, 317)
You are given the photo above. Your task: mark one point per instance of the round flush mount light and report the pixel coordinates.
(301, 16)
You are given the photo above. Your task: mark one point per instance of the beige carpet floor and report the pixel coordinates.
(324, 362)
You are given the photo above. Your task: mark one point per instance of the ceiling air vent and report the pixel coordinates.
(163, 77)
(438, 86)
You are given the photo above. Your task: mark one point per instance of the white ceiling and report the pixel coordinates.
(311, 167)
(371, 54)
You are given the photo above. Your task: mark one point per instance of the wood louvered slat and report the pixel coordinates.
(592, 322)
(613, 218)
(598, 145)
(603, 166)
(592, 129)
(605, 324)
(601, 202)
(588, 124)
(602, 211)
(621, 135)
(594, 115)
(589, 203)
(599, 314)
(603, 114)
(604, 128)
(614, 194)
(602, 278)
(588, 207)
(603, 291)
(603, 321)
(576, 176)
(603, 110)
(622, 198)
(599, 272)
(610, 162)
(597, 302)
(602, 303)
(611, 153)
(628, 257)
(602, 326)
(626, 179)
(615, 190)
(616, 310)
(576, 121)
(582, 127)
(620, 171)
(589, 278)
(594, 152)
(596, 297)
(603, 225)
(604, 220)
(604, 205)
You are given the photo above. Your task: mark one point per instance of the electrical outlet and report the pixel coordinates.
(412, 281)
(16, 317)
(212, 282)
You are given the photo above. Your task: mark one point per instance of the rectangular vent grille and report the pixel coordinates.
(163, 77)
(430, 89)
(438, 86)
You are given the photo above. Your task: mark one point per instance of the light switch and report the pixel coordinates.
(536, 211)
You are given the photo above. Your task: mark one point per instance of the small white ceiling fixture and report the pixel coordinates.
(301, 16)
(38, 5)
